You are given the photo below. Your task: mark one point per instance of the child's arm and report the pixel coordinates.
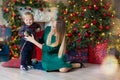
(22, 30)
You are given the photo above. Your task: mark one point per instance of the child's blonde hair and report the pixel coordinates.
(60, 37)
(28, 14)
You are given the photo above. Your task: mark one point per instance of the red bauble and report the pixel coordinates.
(14, 46)
(94, 22)
(75, 21)
(60, 17)
(23, 1)
(78, 34)
(19, 47)
(29, 8)
(13, 14)
(83, 8)
(78, 47)
(19, 17)
(107, 27)
(96, 8)
(99, 38)
(14, 27)
(14, 0)
(69, 34)
(101, 27)
(104, 14)
(109, 13)
(86, 26)
(86, 34)
(82, 14)
(74, 29)
(79, 40)
(90, 7)
(6, 10)
(71, 3)
(75, 14)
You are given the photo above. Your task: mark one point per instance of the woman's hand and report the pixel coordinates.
(30, 38)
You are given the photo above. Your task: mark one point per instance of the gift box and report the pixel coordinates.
(80, 55)
(4, 53)
(5, 32)
(97, 53)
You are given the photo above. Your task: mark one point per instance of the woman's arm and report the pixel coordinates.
(32, 40)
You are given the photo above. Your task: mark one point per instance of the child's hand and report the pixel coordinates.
(26, 34)
(38, 30)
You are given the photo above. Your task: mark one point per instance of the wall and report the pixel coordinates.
(2, 21)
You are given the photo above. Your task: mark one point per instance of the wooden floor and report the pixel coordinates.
(91, 72)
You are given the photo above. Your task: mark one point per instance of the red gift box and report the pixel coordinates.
(97, 53)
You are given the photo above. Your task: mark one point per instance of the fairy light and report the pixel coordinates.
(103, 34)
(74, 6)
(113, 23)
(85, 10)
(94, 6)
(85, 19)
(109, 65)
(91, 24)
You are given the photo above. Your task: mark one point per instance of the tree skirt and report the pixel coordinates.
(13, 63)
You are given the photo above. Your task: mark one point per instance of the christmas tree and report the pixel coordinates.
(14, 20)
(87, 22)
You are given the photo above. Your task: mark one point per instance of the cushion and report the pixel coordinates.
(13, 63)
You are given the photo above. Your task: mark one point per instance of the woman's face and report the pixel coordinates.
(53, 28)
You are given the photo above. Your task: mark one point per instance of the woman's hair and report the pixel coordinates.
(60, 37)
(28, 14)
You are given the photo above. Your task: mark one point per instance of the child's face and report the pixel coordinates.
(28, 20)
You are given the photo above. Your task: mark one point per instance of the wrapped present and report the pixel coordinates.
(97, 53)
(4, 53)
(80, 55)
(5, 32)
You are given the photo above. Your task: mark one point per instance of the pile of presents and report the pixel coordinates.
(94, 54)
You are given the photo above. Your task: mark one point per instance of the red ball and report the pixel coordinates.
(60, 17)
(74, 29)
(96, 8)
(15, 0)
(90, 7)
(79, 40)
(94, 22)
(107, 27)
(69, 34)
(78, 34)
(86, 26)
(14, 46)
(104, 14)
(101, 27)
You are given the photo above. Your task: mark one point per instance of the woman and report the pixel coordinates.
(53, 48)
